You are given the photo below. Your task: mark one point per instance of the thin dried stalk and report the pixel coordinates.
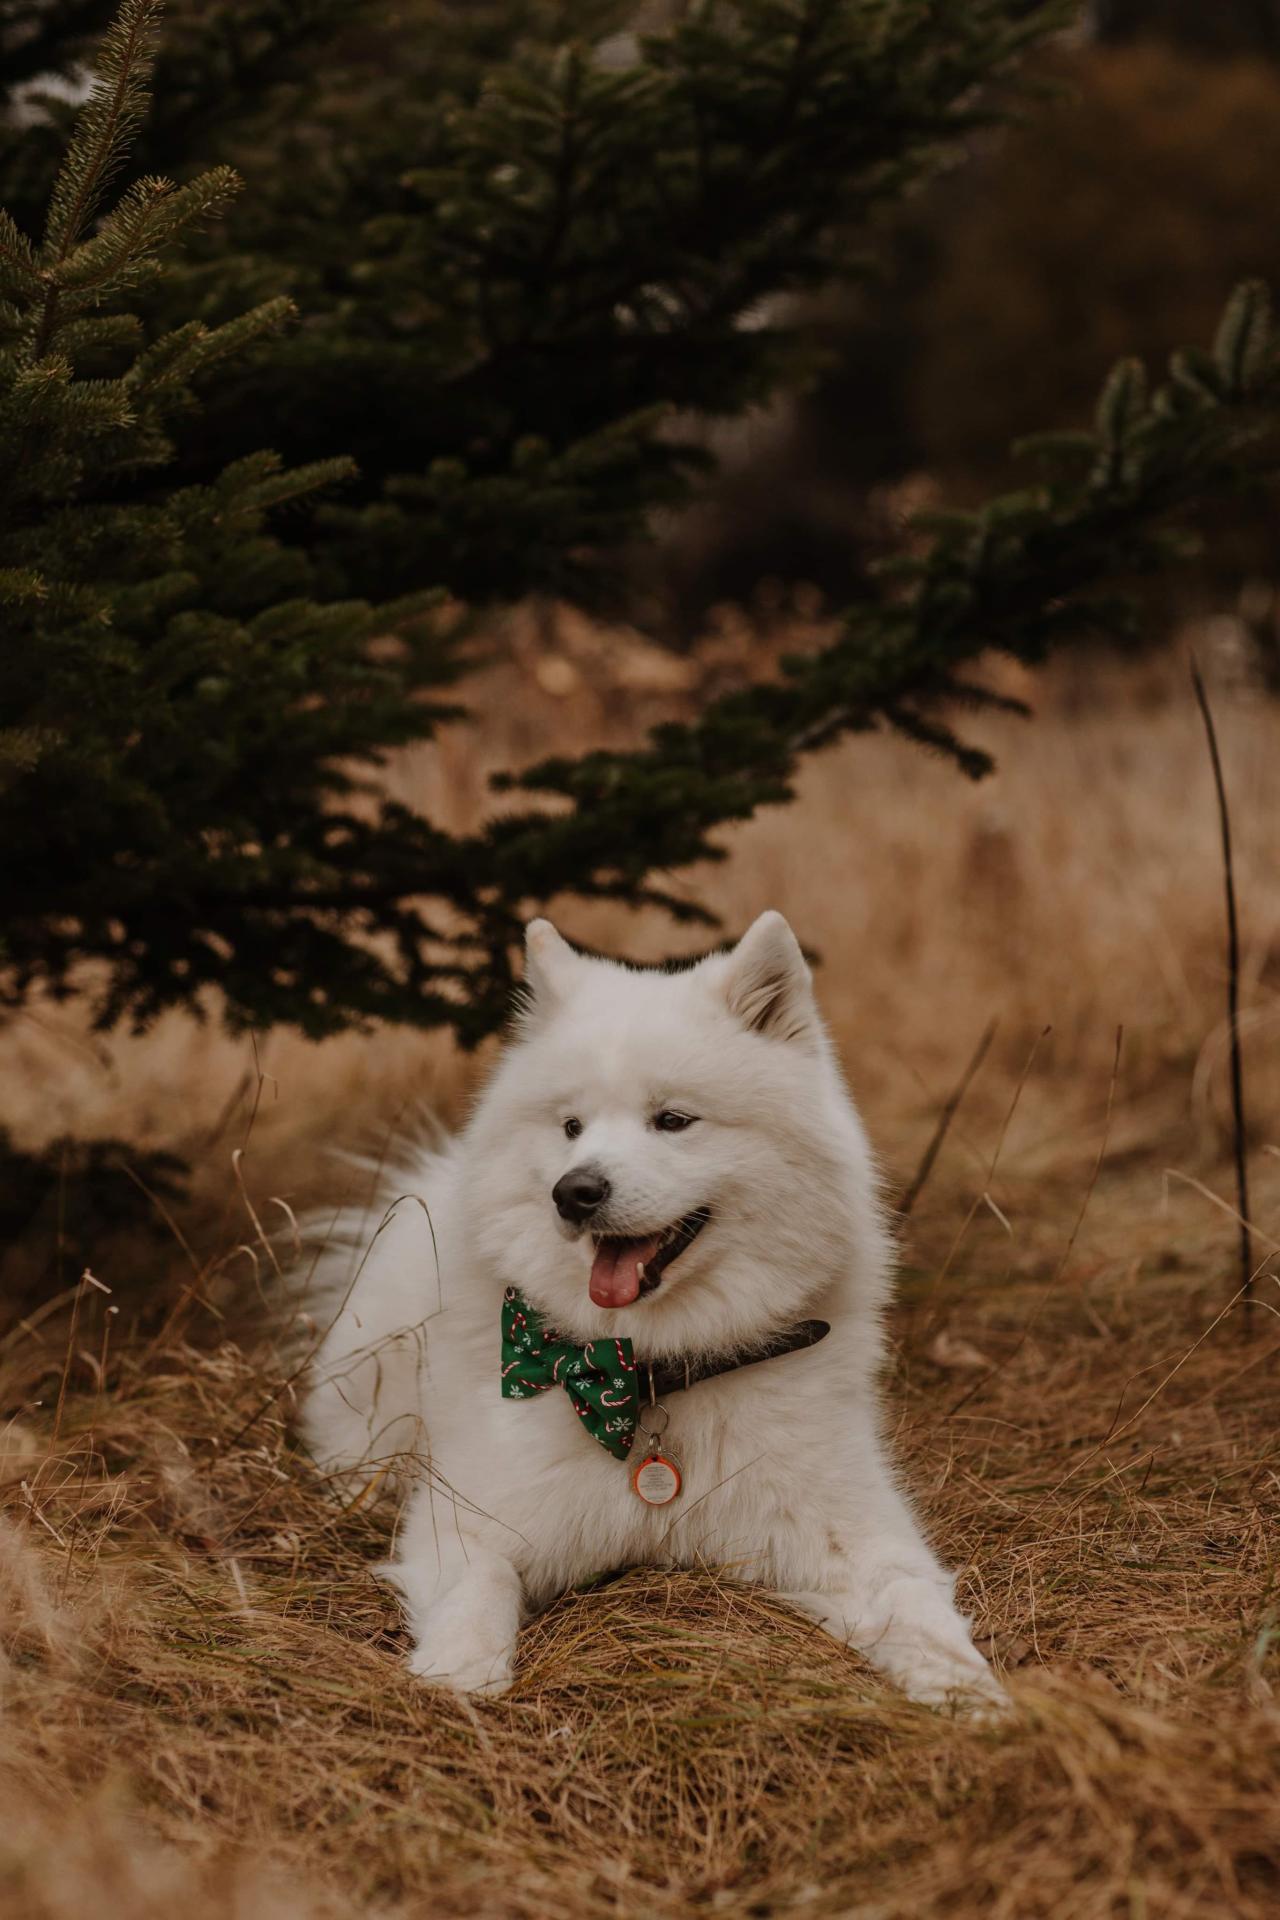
(948, 1114)
(1233, 1003)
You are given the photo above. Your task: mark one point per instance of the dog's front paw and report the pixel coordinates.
(955, 1681)
(466, 1662)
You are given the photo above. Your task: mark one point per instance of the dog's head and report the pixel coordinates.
(668, 1156)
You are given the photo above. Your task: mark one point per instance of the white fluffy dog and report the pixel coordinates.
(665, 1168)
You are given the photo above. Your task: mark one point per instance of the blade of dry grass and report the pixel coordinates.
(949, 1111)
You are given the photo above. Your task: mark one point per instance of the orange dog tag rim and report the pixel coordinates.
(656, 1479)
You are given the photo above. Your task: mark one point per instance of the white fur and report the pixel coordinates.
(785, 1475)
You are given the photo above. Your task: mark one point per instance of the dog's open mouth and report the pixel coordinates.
(627, 1270)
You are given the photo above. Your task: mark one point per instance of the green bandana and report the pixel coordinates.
(599, 1378)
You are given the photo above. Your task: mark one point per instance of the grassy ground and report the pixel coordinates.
(202, 1706)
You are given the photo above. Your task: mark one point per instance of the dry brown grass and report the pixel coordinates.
(201, 1707)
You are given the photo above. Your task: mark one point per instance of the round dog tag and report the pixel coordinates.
(656, 1479)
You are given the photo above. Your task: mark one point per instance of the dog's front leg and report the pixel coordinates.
(464, 1607)
(880, 1589)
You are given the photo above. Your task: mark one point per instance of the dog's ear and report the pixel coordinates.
(768, 984)
(549, 962)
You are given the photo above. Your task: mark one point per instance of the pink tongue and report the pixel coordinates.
(615, 1271)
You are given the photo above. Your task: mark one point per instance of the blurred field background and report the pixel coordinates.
(200, 1695)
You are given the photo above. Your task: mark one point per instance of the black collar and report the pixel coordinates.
(656, 1379)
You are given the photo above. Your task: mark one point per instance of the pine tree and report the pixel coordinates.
(180, 717)
(508, 282)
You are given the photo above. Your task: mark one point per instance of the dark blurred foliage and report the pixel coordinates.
(1151, 172)
(292, 79)
(72, 1202)
(1123, 220)
(1115, 221)
(1208, 26)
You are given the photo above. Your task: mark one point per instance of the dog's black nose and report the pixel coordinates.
(580, 1193)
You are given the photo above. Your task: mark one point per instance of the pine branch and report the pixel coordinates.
(1023, 575)
(146, 220)
(106, 124)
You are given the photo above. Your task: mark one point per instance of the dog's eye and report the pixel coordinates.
(669, 1121)
(572, 1127)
